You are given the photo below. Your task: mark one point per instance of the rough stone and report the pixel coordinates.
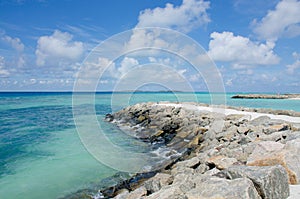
(190, 163)
(167, 192)
(221, 162)
(269, 153)
(219, 188)
(122, 194)
(270, 181)
(159, 180)
(137, 193)
(219, 143)
(217, 125)
(260, 121)
(243, 129)
(276, 128)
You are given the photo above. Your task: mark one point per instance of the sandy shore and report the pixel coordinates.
(294, 192)
(252, 115)
(296, 98)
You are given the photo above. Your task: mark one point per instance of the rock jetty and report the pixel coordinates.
(266, 96)
(228, 155)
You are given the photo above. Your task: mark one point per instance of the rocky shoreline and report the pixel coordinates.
(266, 96)
(222, 155)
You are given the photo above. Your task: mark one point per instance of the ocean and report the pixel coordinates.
(41, 154)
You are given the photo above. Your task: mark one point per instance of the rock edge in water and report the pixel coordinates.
(223, 156)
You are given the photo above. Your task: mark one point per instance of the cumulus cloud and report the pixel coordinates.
(292, 67)
(284, 20)
(241, 51)
(189, 15)
(15, 43)
(3, 71)
(126, 64)
(58, 47)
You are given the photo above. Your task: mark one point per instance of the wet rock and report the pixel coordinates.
(270, 181)
(109, 117)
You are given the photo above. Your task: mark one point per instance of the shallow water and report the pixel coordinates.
(41, 155)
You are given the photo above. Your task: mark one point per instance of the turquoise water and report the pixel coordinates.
(41, 155)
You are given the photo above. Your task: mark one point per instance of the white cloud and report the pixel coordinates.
(163, 75)
(15, 43)
(126, 64)
(246, 72)
(191, 14)
(3, 71)
(296, 55)
(240, 50)
(229, 82)
(58, 47)
(292, 67)
(283, 21)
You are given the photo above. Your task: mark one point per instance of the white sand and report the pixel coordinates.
(296, 98)
(227, 111)
(294, 192)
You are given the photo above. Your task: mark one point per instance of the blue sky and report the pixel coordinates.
(255, 44)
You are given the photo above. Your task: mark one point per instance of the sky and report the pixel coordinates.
(255, 45)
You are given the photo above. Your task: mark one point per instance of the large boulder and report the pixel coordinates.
(270, 181)
(155, 183)
(268, 153)
(220, 188)
(221, 162)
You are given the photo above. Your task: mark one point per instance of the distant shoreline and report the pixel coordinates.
(267, 96)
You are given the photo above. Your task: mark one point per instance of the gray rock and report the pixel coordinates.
(202, 168)
(260, 121)
(190, 163)
(137, 193)
(155, 183)
(221, 162)
(276, 128)
(281, 136)
(219, 188)
(168, 192)
(270, 181)
(122, 194)
(269, 153)
(243, 129)
(217, 125)
(212, 172)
